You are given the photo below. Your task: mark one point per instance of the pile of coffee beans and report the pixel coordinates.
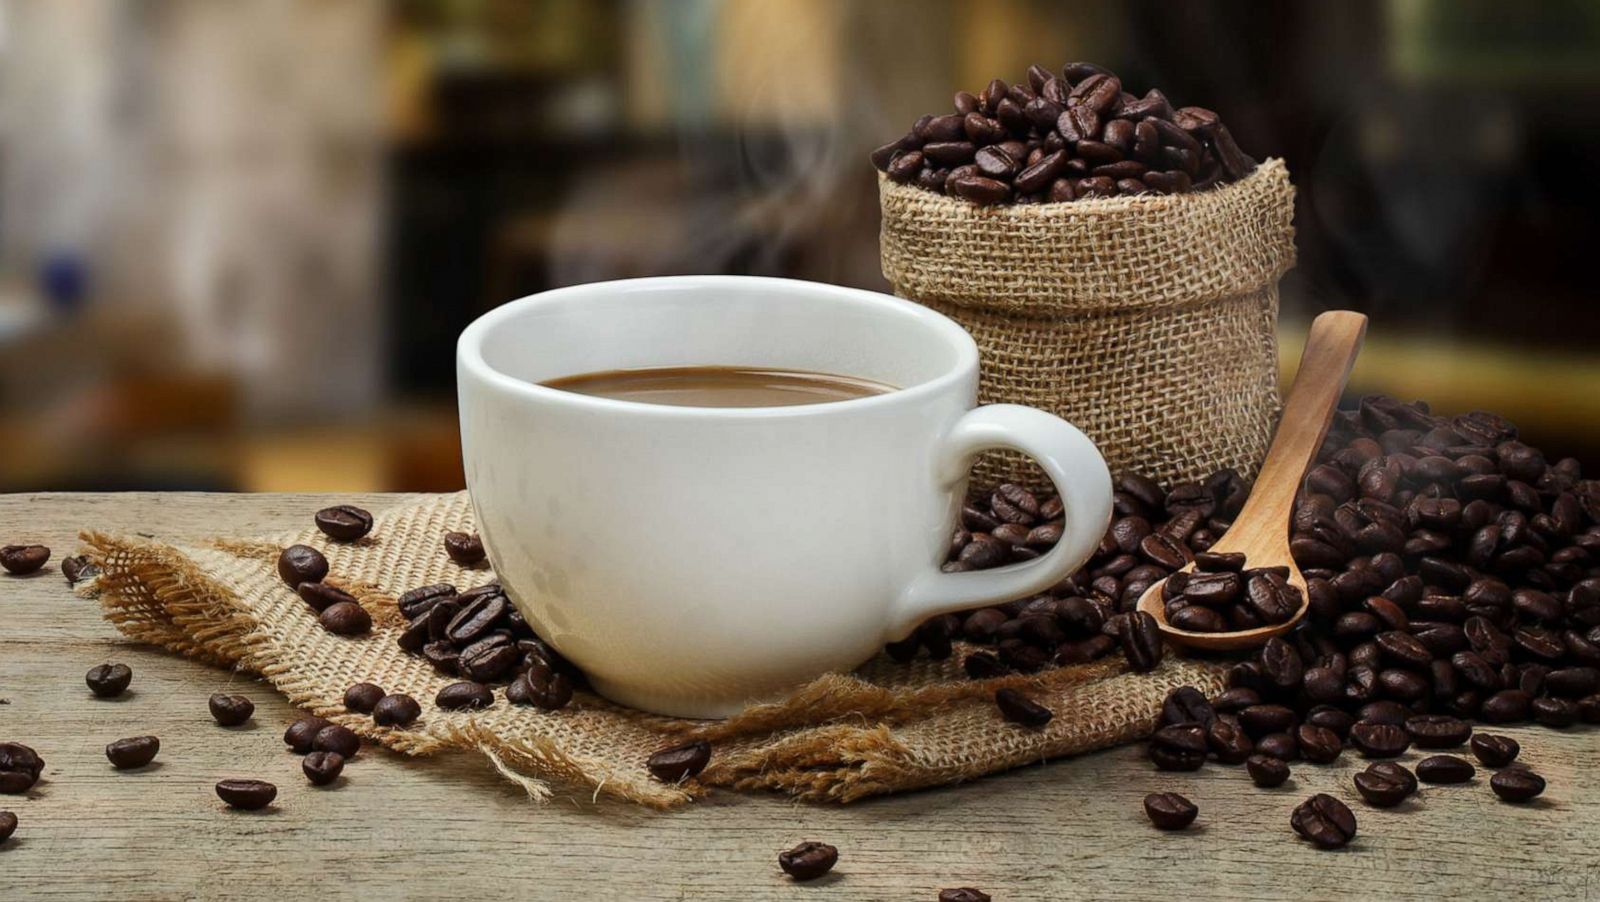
(1064, 137)
(1221, 595)
(480, 636)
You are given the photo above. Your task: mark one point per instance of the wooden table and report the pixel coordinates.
(449, 827)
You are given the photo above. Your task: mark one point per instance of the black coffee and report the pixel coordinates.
(720, 386)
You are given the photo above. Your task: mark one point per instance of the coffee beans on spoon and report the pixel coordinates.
(1220, 594)
(1055, 138)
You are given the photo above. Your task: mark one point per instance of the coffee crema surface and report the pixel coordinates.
(720, 386)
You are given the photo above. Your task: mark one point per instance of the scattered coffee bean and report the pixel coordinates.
(337, 738)
(20, 768)
(230, 710)
(1437, 731)
(1318, 745)
(464, 695)
(1385, 784)
(954, 894)
(1169, 811)
(809, 860)
(1266, 771)
(79, 568)
(247, 795)
(1180, 747)
(1445, 769)
(396, 710)
(362, 697)
(21, 560)
(134, 752)
(301, 564)
(1379, 740)
(1325, 821)
(1494, 750)
(466, 549)
(302, 732)
(680, 762)
(1516, 784)
(321, 596)
(8, 826)
(322, 767)
(1019, 709)
(1141, 642)
(108, 680)
(541, 687)
(346, 618)
(344, 522)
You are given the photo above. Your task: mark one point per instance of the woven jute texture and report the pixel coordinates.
(886, 728)
(1149, 322)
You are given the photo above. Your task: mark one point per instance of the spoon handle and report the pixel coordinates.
(1330, 352)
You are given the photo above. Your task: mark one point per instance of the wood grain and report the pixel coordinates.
(397, 828)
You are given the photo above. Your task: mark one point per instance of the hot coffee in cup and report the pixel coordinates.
(694, 547)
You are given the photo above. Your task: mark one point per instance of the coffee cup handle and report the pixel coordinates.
(1081, 479)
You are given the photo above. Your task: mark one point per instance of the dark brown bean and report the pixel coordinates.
(808, 861)
(301, 564)
(344, 522)
(137, 751)
(464, 695)
(1169, 811)
(322, 767)
(246, 795)
(680, 762)
(230, 710)
(21, 560)
(108, 680)
(396, 710)
(466, 549)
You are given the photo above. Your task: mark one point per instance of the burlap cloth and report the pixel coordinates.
(1149, 322)
(888, 727)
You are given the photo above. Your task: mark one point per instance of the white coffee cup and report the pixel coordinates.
(693, 560)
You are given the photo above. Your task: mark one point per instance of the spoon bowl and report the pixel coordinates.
(1261, 531)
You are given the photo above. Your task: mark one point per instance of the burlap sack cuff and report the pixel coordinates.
(1120, 254)
(887, 728)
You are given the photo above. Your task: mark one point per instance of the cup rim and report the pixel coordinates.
(471, 362)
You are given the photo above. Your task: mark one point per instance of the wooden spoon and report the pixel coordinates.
(1261, 531)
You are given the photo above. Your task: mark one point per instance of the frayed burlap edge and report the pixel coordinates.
(842, 738)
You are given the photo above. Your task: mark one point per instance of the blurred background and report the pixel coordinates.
(237, 240)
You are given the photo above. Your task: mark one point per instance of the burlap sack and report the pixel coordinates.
(1149, 322)
(886, 728)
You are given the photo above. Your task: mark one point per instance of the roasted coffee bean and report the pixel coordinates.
(337, 738)
(78, 568)
(1437, 731)
(1169, 811)
(1385, 712)
(1271, 597)
(1019, 709)
(344, 522)
(1235, 700)
(321, 596)
(1555, 712)
(487, 661)
(20, 767)
(230, 710)
(466, 549)
(8, 826)
(301, 564)
(1325, 821)
(808, 861)
(1186, 704)
(419, 601)
(953, 894)
(133, 752)
(1494, 750)
(363, 697)
(322, 767)
(1379, 740)
(346, 618)
(1260, 720)
(443, 656)
(680, 762)
(108, 680)
(1330, 718)
(981, 665)
(396, 710)
(1506, 706)
(1279, 745)
(1229, 742)
(1516, 784)
(1179, 747)
(1141, 642)
(20, 560)
(1403, 650)
(1317, 744)
(464, 695)
(247, 795)
(1385, 784)
(1164, 551)
(1445, 769)
(302, 732)
(980, 190)
(1196, 619)
(546, 689)
(1266, 771)
(1281, 664)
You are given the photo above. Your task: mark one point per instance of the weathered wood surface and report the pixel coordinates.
(399, 829)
